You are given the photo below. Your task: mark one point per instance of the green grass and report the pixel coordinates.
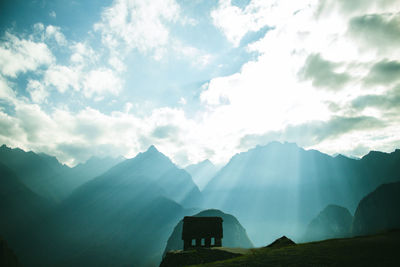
(378, 250)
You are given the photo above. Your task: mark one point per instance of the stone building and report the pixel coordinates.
(202, 232)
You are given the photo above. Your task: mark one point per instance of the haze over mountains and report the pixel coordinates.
(128, 211)
(202, 172)
(283, 187)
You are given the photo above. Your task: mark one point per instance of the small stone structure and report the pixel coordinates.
(201, 232)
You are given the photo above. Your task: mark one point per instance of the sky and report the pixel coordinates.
(198, 79)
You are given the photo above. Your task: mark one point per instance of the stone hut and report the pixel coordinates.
(202, 232)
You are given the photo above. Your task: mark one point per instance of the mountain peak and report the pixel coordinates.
(152, 148)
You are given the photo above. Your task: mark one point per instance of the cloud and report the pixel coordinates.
(197, 57)
(55, 33)
(353, 6)
(384, 72)
(387, 102)
(82, 54)
(48, 34)
(275, 95)
(380, 31)
(314, 132)
(37, 91)
(6, 92)
(20, 55)
(322, 73)
(137, 24)
(53, 14)
(235, 22)
(62, 78)
(100, 81)
(165, 131)
(74, 136)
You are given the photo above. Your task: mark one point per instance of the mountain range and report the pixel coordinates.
(122, 212)
(47, 177)
(278, 189)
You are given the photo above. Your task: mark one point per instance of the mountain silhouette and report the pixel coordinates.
(278, 189)
(378, 211)
(121, 217)
(126, 214)
(332, 222)
(234, 235)
(46, 176)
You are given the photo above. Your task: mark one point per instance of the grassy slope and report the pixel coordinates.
(377, 250)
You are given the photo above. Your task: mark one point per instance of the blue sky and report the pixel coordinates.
(199, 79)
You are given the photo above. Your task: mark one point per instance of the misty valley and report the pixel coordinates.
(128, 212)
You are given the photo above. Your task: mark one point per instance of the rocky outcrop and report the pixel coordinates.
(281, 242)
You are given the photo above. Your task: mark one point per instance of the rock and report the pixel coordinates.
(281, 242)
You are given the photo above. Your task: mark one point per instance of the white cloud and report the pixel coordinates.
(236, 22)
(117, 64)
(20, 55)
(53, 14)
(6, 93)
(100, 81)
(197, 57)
(55, 32)
(139, 24)
(62, 78)
(37, 91)
(82, 54)
(270, 93)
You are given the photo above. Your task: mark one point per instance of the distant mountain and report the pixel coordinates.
(332, 222)
(378, 211)
(120, 218)
(278, 189)
(47, 177)
(202, 172)
(40, 173)
(153, 167)
(84, 172)
(234, 235)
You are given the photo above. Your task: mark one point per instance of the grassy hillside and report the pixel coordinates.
(376, 250)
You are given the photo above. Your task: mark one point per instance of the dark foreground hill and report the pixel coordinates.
(19, 206)
(378, 211)
(7, 256)
(376, 250)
